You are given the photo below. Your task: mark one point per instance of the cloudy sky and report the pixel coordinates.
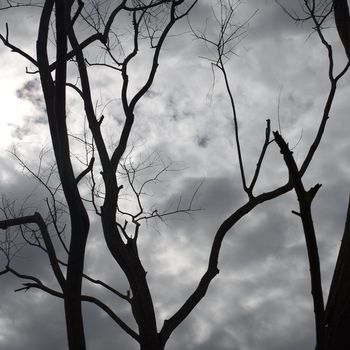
(261, 298)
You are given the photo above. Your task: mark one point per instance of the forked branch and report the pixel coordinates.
(305, 199)
(38, 220)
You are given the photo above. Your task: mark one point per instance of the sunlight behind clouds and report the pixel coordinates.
(13, 111)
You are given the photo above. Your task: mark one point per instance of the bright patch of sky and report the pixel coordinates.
(13, 109)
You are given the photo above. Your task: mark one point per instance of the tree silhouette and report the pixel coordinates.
(151, 21)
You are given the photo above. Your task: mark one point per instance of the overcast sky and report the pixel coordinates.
(261, 299)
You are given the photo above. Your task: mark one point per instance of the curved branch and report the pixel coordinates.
(129, 108)
(37, 219)
(39, 285)
(235, 120)
(212, 270)
(108, 287)
(14, 48)
(86, 171)
(110, 313)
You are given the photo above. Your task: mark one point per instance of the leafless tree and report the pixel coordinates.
(122, 247)
(331, 320)
(151, 20)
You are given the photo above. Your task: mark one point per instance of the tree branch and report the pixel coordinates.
(338, 304)
(262, 155)
(342, 21)
(305, 199)
(37, 219)
(86, 171)
(14, 48)
(39, 285)
(212, 270)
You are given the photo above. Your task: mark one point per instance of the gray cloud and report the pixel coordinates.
(261, 298)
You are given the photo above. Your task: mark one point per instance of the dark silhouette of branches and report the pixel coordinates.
(342, 21)
(115, 178)
(329, 321)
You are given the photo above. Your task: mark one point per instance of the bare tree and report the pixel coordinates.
(122, 247)
(331, 320)
(153, 21)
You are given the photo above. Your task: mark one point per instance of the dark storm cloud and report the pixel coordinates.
(31, 91)
(31, 319)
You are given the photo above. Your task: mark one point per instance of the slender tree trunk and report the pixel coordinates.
(338, 305)
(78, 214)
(55, 100)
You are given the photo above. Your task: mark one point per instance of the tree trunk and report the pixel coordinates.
(338, 305)
(55, 100)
